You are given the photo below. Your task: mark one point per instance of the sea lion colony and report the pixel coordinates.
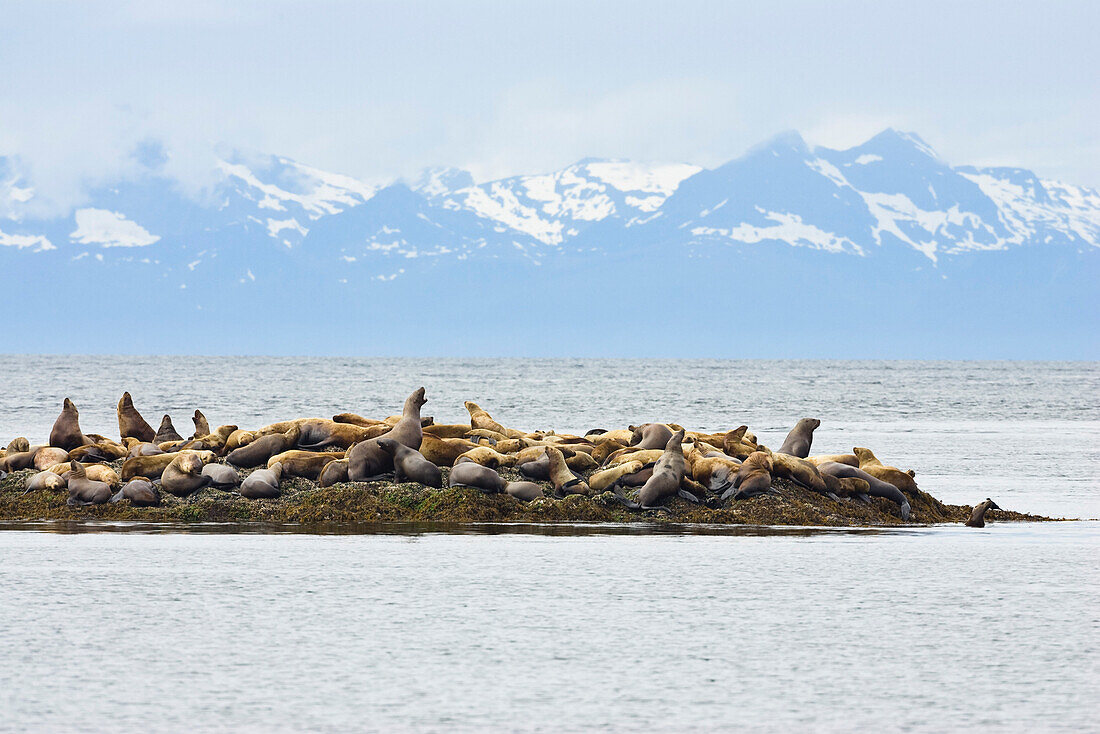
(639, 467)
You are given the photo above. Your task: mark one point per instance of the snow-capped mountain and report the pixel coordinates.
(782, 225)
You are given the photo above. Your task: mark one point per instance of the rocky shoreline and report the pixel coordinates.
(304, 502)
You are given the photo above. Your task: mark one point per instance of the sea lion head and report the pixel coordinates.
(864, 455)
(77, 469)
(418, 398)
(189, 463)
(992, 505)
(387, 444)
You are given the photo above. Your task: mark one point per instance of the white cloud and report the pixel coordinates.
(109, 229)
(20, 241)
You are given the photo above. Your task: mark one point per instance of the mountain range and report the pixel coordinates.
(882, 250)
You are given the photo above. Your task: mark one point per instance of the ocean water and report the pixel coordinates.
(134, 628)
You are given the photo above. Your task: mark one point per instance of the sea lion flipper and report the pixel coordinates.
(688, 496)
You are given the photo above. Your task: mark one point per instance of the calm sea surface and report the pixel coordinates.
(609, 628)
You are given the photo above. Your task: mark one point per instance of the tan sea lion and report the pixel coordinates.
(444, 451)
(263, 448)
(19, 445)
(716, 473)
(333, 473)
(238, 438)
(262, 483)
(799, 470)
(562, 479)
(604, 480)
(95, 472)
(202, 426)
(167, 431)
(357, 420)
(47, 456)
(139, 491)
(66, 433)
(183, 475)
(447, 430)
(977, 517)
(130, 422)
(849, 459)
(19, 460)
(480, 418)
(869, 463)
(152, 467)
(845, 486)
(100, 451)
(410, 464)
(605, 449)
(646, 456)
(144, 449)
(307, 464)
(753, 478)
(487, 457)
(44, 480)
(798, 441)
(85, 491)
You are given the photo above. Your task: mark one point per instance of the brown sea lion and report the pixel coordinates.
(66, 433)
(977, 517)
(799, 439)
(667, 475)
(19, 460)
(166, 432)
(480, 418)
(183, 475)
(333, 473)
(202, 426)
(849, 459)
(19, 445)
(650, 436)
(876, 487)
(487, 457)
(844, 487)
(152, 467)
(869, 463)
(44, 480)
(410, 464)
(263, 448)
(444, 451)
(605, 449)
(85, 491)
(262, 483)
(753, 478)
(307, 464)
(139, 491)
(604, 480)
(798, 470)
(100, 451)
(563, 480)
(47, 456)
(716, 473)
(130, 422)
(368, 460)
(221, 476)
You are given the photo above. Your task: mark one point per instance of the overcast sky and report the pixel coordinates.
(380, 90)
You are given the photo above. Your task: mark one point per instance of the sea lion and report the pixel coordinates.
(849, 459)
(19, 460)
(876, 487)
(19, 445)
(262, 483)
(130, 422)
(410, 464)
(604, 480)
(221, 476)
(753, 478)
(166, 432)
(237, 439)
(356, 420)
(139, 491)
(202, 426)
(977, 517)
(318, 433)
(263, 448)
(480, 418)
(144, 449)
(99, 451)
(47, 456)
(716, 473)
(869, 463)
(564, 481)
(799, 470)
(604, 449)
(799, 439)
(367, 460)
(85, 491)
(447, 430)
(184, 475)
(487, 457)
(333, 473)
(44, 480)
(444, 451)
(631, 453)
(469, 474)
(152, 467)
(307, 464)
(66, 433)
(650, 436)
(846, 487)
(95, 472)
(667, 475)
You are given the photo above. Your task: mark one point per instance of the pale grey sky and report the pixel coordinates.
(380, 90)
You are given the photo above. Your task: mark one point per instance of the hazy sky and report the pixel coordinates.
(380, 90)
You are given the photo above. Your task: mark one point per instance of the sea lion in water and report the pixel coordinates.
(66, 433)
(667, 475)
(166, 432)
(85, 491)
(44, 480)
(564, 481)
(140, 492)
(262, 483)
(469, 474)
(977, 517)
(333, 473)
(367, 460)
(130, 422)
(754, 478)
(799, 439)
(202, 426)
(306, 464)
(651, 436)
(876, 487)
(184, 475)
(263, 448)
(221, 475)
(869, 463)
(410, 464)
